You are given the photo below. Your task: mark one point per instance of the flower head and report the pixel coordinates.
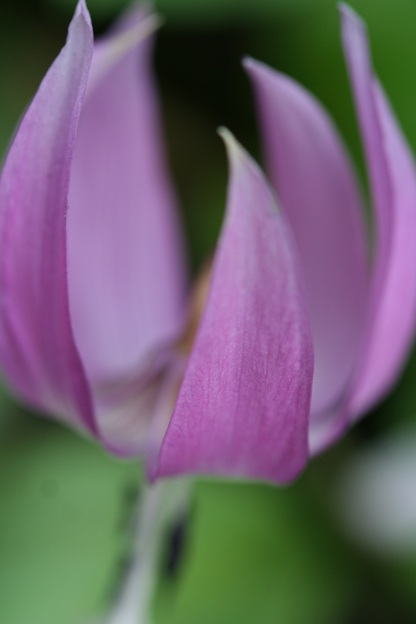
(298, 332)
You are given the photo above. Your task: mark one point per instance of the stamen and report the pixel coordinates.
(196, 308)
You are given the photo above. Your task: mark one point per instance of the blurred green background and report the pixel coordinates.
(253, 553)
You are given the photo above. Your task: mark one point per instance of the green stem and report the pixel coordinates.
(159, 506)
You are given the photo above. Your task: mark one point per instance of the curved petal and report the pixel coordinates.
(126, 275)
(244, 403)
(316, 186)
(391, 311)
(37, 350)
(392, 308)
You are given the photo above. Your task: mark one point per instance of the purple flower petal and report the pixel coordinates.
(126, 275)
(391, 311)
(392, 308)
(244, 403)
(37, 350)
(316, 186)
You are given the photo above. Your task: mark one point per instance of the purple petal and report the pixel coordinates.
(392, 310)
(134, 26)
(37, 350)
(244, 402)
(316, 186)
(126, 276)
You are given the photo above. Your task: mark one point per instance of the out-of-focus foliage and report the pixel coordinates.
(208, 12)
(63, 522)
(258, 557)
(255, 554)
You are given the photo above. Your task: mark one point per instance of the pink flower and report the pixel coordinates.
(92, 279)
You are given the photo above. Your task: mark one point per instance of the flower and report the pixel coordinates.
(93, 326)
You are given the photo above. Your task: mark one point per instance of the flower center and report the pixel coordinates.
(197, 303)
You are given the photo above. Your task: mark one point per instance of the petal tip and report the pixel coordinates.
(236, 153)
(139, 31)
(347, 11)
(261, 74)
(350, 19)
(252, 66)
(82, 11)
(249, 63)
(228, 137)
(255, 69)
(140, 20)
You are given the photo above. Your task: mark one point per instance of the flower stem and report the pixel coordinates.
(159, 506)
